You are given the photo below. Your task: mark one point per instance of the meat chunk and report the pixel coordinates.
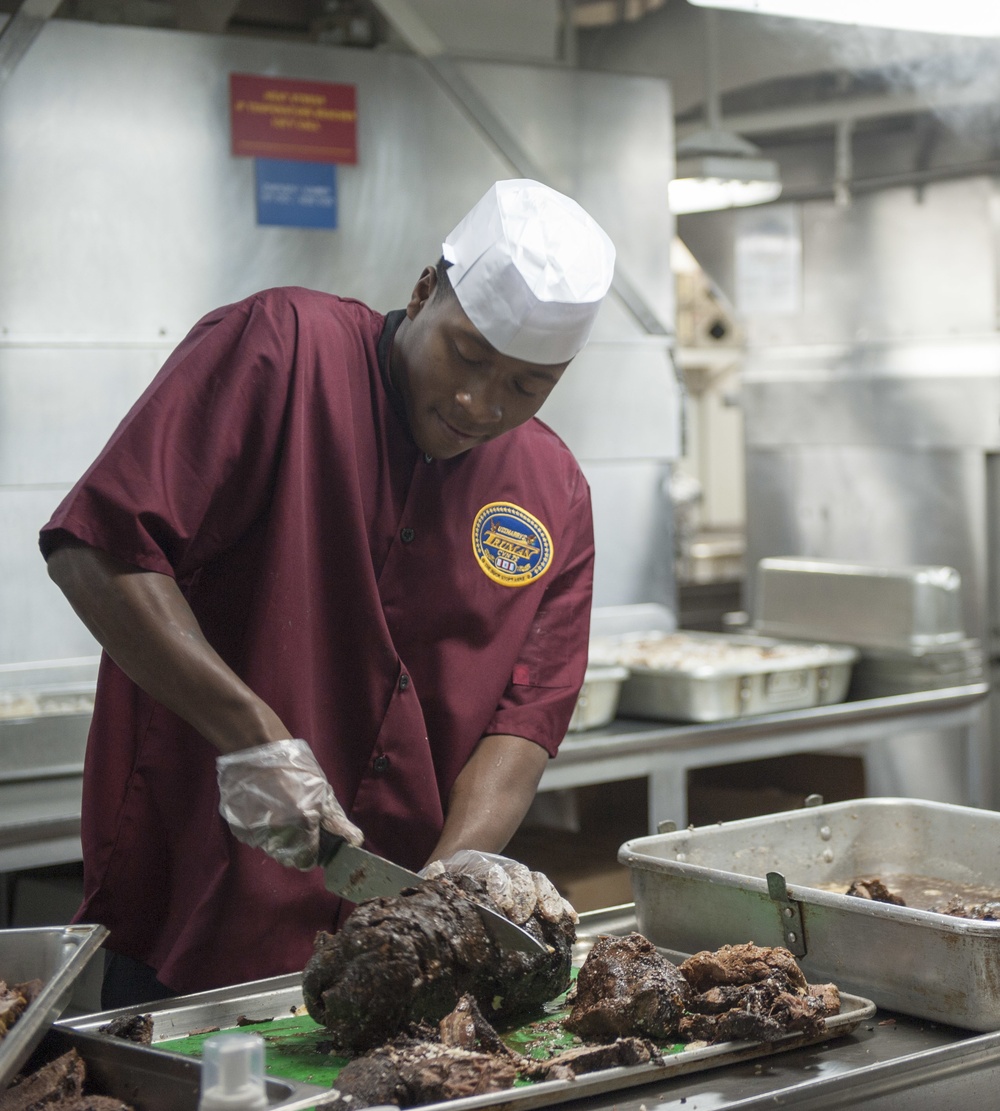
(410, 958)
(984, 912)
(742, 964)
(627, 987)
(756, 1012)
(57, 1086)
(752, 992)
(875, 890)
(408, 1073)
(59, 1081)
(133, 1028)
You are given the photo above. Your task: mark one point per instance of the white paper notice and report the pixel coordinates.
(768, 262)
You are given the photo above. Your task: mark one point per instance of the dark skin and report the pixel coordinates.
(459, 392)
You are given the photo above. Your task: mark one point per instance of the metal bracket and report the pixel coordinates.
(789, 914)
(666, 826)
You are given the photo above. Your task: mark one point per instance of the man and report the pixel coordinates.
(338, 548)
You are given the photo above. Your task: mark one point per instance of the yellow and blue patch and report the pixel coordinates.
(510, 545)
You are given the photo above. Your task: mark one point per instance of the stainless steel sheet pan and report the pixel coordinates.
(709, 886)
(698, 676)
(56, 955)
(188, 1015)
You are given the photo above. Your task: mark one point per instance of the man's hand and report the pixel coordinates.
(275, 797)
(513, 887)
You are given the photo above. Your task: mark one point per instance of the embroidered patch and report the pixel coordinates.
(510, 545)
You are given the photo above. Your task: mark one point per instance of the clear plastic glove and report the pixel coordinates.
(275, 797)
(516, 890)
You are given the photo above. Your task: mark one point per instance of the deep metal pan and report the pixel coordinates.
(709, 886)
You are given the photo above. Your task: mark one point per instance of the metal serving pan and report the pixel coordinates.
(701, 677)
(769, 880)
(55, 955)
(901, 607)
(150, 1080)
(280, 997)
(597, 702)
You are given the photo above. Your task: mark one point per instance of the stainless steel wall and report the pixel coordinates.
(123, 218)
(873, 414)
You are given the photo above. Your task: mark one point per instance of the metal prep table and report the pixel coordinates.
(664, 752)
(890, 1063)
(41, 761)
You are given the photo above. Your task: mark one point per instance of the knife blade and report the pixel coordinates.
(357, 874)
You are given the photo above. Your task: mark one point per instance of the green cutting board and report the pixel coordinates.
(297, 1048)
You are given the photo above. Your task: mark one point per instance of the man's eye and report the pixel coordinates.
(466, 357)
(523, 391)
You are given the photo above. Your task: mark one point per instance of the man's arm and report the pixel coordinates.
(274, 796)
(491, 795)
(145, 624)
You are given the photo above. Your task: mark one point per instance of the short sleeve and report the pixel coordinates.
(189, 467)
(551, 664)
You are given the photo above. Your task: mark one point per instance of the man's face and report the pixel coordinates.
(458, 389)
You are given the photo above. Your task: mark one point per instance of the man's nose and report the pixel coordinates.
(480, 405)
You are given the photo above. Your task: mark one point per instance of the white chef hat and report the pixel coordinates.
(530, 269)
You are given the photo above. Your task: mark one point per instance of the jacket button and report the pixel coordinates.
(380, 764)
(407, 535)
(404, 682)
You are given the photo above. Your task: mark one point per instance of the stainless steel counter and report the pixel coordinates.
(889, 1063)
(41, 782)
(41, 759)
(664, 752)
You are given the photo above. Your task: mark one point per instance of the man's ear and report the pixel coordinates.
(422, 291)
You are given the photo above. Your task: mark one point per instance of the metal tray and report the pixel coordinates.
(150, 1080)
(719, 676)
(853, 603)
(56, 955)
(763, 879)
(880, 671)
(281, 995)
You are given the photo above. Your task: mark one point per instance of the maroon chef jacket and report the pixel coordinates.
(268, 468)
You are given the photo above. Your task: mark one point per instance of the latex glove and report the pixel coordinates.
(275, 797)
(516, 890)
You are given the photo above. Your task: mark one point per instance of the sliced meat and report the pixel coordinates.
(592, 1058)
(59, 1080)
(411, 1073)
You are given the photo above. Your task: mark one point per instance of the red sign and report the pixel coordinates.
(304, 121)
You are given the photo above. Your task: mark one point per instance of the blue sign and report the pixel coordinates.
(296, 194)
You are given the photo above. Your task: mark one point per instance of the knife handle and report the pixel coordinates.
(329, 843)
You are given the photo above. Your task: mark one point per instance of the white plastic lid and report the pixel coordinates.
(232, 1074)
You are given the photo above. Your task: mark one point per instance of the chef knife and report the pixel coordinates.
(357, 874)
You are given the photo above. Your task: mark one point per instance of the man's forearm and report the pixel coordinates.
(491, 795)
(145, 624)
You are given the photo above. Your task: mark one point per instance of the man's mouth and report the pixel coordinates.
(457, 433)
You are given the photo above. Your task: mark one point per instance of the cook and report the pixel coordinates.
(337, 547)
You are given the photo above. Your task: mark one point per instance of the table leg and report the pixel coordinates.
(667, 796)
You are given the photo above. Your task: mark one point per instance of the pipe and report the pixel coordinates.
(432, 51)
(803, 116)
(20, 31)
